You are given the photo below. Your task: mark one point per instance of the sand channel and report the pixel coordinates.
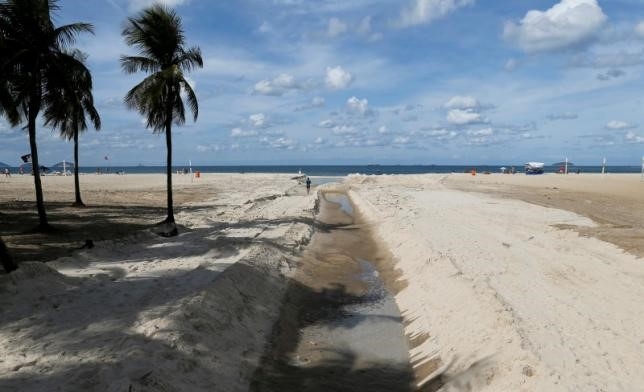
(339, 328)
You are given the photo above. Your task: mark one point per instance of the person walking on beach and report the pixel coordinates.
(308, 185)
(7, 172)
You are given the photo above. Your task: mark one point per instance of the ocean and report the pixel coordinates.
(342, 170)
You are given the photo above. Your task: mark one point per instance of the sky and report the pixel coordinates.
(375, 82)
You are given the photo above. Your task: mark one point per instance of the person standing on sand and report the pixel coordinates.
(308, 185)
(7, 172)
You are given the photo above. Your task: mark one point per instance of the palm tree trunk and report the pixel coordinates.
(168, 142)
(78, 202)
(40, 203)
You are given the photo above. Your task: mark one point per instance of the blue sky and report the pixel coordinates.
(367, 81)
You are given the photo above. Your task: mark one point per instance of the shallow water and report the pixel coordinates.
(341, 199)
(339, 328)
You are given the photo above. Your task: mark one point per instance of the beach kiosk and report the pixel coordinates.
(534, 168)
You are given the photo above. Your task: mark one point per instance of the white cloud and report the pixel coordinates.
(283, 143)
(462, 117)
(318, 102)
(383, 130)
(238, 132)
(358, 106)
(632, 137)
(336, 27)
(326, 124)
(337, 78)
(315, 102)
(462, 102)
(402, 140)
(481, 132)
(258, 120)
(265, 28)
(277, 86)
(364, 29)
(566, 24)
(344, 130)
(616, 125)
(639, 29)
(426, 11)
(319, 140)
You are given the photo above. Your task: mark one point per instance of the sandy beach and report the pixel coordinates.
(503, 282)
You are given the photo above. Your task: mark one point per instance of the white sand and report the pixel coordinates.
(510, 302)
(190, 313)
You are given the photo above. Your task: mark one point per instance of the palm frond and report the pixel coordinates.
(133, 64)
(191, 98)
(66, 35)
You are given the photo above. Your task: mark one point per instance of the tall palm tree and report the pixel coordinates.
(157, 35)
(70, 111)
(33, 63)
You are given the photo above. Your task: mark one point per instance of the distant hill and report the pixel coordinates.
(2, 164)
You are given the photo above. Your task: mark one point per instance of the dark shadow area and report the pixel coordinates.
(72, 227)
(341, 371)
(204, 342)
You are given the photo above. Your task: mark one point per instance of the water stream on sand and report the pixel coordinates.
(339, 328)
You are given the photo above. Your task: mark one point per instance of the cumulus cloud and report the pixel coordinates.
(258, 120)
(462, 102)
(427, 11)
(562, 116)
(337, 78)
(618, 125)
(336, 27)
(359, 106)
(566, 24)
(277, 86)
(610, 74)
(462, 117)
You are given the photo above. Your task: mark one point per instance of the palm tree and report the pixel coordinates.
(33, 65)
(157, 35)
(69, 114)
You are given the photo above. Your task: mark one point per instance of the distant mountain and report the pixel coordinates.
(2, 164)
(562, 164)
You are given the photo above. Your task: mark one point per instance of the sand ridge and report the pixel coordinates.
(510, 300)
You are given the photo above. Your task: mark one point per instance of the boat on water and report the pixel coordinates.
(534, 168)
